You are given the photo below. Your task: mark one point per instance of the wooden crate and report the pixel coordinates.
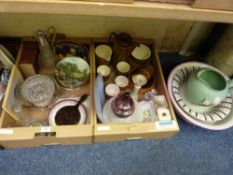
(214, 4)
(108, 132)
(171, 1)
(112, 1)
(12, 135)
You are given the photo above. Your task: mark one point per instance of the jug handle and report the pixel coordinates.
(230, 85)
(135, 44)
(51, 33)
(112, 34)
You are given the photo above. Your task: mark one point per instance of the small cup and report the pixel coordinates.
(122, 81)
(103, 53)
(104, 70)
(112, 90)
(123, 67)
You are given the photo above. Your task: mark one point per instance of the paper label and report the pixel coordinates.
(45, 129)
(165, 124)
(6, 131)
(103, 128)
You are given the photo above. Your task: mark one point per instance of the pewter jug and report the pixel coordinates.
(46, 58)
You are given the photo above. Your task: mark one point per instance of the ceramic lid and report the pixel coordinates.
(122, 81)
(112, 90)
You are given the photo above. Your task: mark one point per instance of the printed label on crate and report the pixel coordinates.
(103, 128)
(170, 124)
(6, 131)
(45, 129)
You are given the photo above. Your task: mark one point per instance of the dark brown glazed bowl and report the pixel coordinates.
(123, 105)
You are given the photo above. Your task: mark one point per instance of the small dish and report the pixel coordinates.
(72, 72)
(63, 103)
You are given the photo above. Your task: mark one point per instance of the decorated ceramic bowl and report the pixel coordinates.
(53, 118)
(217, 117)
(71, 49)
(72, 72)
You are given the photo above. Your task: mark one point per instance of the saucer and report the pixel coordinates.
(210, 117)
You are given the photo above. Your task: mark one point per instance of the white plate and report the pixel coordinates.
(144, 112)
(215, 118)
(99, 96)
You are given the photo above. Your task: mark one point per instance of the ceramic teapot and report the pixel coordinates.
(207, 87)
(123, 105)
(123, 45)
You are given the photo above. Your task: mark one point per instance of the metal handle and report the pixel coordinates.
(45, 134)
(110, 37)
(51, 144)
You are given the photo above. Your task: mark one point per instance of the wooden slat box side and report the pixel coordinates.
(12, 135)
(111, 1)
(109, 132)
(214, 4)
(171, 1)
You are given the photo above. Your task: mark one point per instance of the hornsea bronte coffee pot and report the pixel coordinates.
(123, 45)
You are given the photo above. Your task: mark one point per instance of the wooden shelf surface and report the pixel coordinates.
(138, 9)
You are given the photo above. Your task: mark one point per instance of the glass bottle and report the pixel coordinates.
(46, 58)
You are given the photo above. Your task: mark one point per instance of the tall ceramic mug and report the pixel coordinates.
(207, 87)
